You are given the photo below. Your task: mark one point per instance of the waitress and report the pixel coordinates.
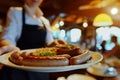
(27, 28)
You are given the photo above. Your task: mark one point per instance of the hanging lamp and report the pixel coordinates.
(102, 20)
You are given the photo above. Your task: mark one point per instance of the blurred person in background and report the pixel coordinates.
(103, 46)
(1, 25)
(26, 28)
(90, 43)
(115, 51)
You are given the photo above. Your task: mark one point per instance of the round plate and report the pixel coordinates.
(79, 77)
(106, 74)
(96, 57)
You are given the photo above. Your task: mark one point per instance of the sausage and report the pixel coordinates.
(16, 58)
(30, 60)
(64, 55)
(75, 60)
(45, 61)
(71, 52)
(56, 42)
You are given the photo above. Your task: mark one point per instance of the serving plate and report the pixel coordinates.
(110, 72)
(80, 77)
(96, 58)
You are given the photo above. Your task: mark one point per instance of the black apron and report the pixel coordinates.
(32, 37)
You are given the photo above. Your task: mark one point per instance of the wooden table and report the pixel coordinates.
(54, 76)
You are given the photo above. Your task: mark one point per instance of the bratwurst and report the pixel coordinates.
(29, 60)
(81, 58)
(48, 57)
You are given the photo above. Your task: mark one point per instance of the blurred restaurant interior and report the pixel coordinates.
(74, 20)
(86, 23)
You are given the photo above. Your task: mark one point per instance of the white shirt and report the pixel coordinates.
(13, 31)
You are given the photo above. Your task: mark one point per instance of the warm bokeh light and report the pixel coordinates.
(85, 24)
(61, 23)
(55, 27)
(114, 11)
(102, 20)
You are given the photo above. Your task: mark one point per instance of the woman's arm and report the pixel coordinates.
(13, 27)
(112, 52)
(6, 46)
(10, 33)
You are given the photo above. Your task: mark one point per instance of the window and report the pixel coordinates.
(105, 33)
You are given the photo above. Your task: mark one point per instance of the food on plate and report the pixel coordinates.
(41, 57)
(56, 42)
(65, 48)
(81, 58)
(70, 49)
(61, 55)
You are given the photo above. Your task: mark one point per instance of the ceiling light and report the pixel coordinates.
(102, 20)
(114, 11)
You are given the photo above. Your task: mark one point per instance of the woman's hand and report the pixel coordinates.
(8, 48)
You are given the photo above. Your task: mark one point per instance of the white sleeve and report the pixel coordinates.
(49, 36)
(10, 32)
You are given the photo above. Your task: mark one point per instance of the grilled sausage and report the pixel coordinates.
(29, 60)
(75, 60)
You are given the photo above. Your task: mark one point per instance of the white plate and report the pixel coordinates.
(79, 77)
(96, 57)
(105, 74)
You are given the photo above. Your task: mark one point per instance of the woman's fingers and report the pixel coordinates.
(9, 48)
